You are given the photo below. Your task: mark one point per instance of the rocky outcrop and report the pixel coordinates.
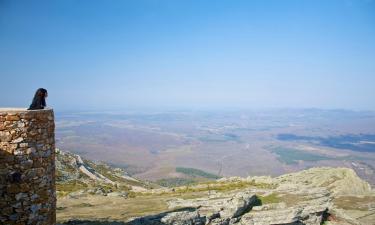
(305, 198)
(309, 213)
(340, 181)
(94, 178)
(220, 206)
(183, 218)
(176, 218)
(241, 208)
(76, 162)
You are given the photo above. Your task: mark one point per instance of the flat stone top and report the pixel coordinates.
(22, 110)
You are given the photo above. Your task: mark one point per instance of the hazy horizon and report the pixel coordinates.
(118, 55)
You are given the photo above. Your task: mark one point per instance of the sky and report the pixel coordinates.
(94, 55)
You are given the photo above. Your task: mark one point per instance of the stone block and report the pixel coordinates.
(18, 140)
(12, 118)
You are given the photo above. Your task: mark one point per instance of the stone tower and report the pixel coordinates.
(27, 167)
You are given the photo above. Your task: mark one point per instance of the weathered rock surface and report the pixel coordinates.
(175, 218)
(307, 197)
(303, 198)
(183, 218)
(340, 181)
(309, 212)
(218, 206)
(237, 209)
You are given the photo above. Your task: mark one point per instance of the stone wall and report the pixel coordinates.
(27, 167)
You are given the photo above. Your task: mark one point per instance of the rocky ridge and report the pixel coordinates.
(305, 197)
(77, 176)
(309, 206)
(315, 196)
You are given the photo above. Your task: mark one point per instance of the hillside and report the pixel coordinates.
(91, 193)
(77, 176)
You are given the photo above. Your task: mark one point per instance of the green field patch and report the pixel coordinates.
(220, 138)
(70, 186)
(269, 199)
(292, 156)
(192, 172)
(175, 182)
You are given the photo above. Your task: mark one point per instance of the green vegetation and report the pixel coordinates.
(106, 211)
(196, 189)
(175, 182)
(268, 199)
(70, 186)
(224, 187)
(220, 138)
(291, 156)
(196, 173)
(195, 176)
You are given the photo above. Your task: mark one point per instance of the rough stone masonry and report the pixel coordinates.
(27, 166)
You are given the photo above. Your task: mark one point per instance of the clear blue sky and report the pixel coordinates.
(188, 53)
